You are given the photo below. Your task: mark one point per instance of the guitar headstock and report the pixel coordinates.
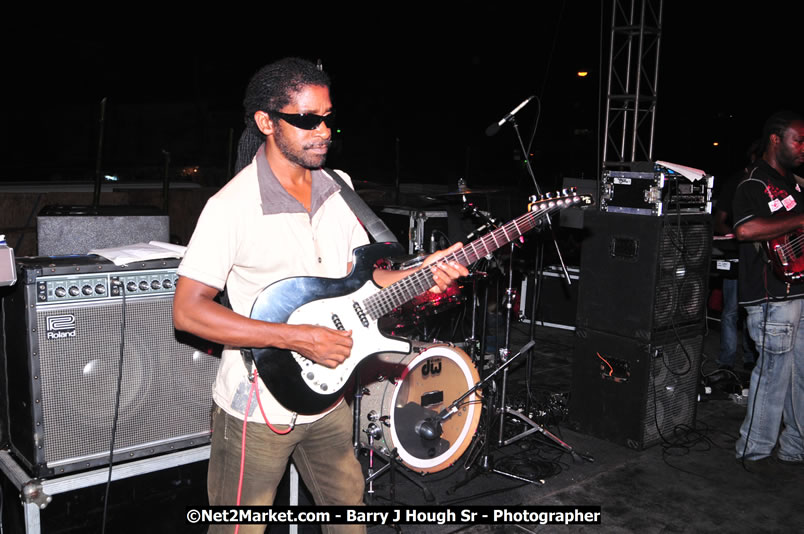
(560, 199)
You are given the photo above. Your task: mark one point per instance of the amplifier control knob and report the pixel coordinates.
(167, 284)
(60, 292)
(87, 290)
(144, 285)
(100, 289)
(131, 287)
(74, 291)
(156, 285)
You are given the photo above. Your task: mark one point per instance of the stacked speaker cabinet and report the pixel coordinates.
(640, 325)
(68, 325)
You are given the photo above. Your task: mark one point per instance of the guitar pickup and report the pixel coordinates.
(360, 314)
(337, 322)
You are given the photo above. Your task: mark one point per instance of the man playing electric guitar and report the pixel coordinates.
(280, 217)
(768, 205)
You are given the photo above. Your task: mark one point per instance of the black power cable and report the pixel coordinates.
(117, 401)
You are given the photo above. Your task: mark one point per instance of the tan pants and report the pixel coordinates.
(322, 452)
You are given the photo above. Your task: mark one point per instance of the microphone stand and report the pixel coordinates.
(504, 409)
(487, 462)
(539, 192)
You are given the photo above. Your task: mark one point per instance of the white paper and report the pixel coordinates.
(154, 250)
(687, 172)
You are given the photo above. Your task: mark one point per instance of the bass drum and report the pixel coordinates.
(405, 392)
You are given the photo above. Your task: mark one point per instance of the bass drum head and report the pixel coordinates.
(403, 391)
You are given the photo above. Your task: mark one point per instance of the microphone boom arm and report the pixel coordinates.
(447, 412)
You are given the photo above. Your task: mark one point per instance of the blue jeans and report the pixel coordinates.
(322, 451)
(728, 328)
(776, 396)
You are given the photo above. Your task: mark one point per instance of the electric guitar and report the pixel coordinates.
(787, 256)
(355, 303)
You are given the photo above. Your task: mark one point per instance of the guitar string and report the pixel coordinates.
(795, 242)
(412, 285)
(420, 281)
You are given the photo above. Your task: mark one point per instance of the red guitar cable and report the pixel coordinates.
(243, 440)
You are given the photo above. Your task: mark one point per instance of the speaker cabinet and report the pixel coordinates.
(631, 392)
(66, 324)
(641, 274)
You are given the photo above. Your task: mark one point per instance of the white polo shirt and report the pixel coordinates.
(253, 233)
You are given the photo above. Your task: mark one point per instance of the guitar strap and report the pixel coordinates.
(374, 225)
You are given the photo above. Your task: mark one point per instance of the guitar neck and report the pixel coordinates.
(420, 281)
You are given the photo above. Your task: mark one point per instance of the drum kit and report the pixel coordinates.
(421, 412)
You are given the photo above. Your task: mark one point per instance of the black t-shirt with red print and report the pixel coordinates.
(764, 193)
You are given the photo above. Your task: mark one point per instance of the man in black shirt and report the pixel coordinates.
(769, 205)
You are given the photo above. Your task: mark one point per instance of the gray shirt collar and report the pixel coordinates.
(275, 199)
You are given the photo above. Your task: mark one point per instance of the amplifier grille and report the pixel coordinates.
(166, 385)
(683, 262)
(672, 389)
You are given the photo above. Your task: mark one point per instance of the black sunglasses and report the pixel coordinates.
(306, 121)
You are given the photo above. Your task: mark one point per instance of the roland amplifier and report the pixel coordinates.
(69, 324)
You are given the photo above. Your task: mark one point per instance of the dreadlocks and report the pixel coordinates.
(271, 89)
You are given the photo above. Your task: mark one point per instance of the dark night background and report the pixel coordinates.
(415, 87)
(414, 92)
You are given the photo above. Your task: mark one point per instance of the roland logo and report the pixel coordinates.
(60, 326)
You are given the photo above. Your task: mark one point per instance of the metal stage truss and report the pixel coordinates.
(631, 94)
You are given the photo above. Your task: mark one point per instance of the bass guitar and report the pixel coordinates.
(787, 256)
(356, 303)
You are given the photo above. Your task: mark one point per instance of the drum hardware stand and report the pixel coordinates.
(487, 462)
(504, 410)
(477, 347)
(505, 351)
(392, 491)
(538, 280)
(392, 467)
(372, 431)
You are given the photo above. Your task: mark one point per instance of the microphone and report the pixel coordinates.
(429, 428)
(495, 127)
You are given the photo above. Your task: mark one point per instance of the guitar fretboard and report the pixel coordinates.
(415, 284)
